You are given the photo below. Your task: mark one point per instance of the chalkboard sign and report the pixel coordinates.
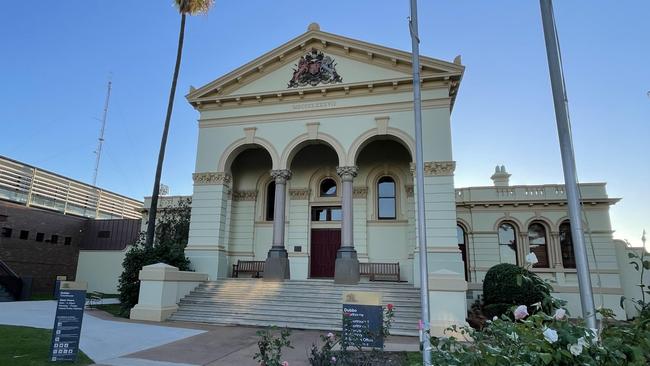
(66, 332)
(362, 325)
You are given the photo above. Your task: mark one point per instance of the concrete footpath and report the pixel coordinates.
(122, 342)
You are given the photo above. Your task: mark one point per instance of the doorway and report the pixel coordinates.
(324, 245)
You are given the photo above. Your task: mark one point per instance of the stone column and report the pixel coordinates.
(276, 267)
(346, 268)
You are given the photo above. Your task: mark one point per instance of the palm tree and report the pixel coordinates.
(191, 7)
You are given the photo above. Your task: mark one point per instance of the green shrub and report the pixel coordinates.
(172, 230)
(506, 285)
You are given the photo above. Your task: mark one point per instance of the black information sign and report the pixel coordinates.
(362, 325)
(67, 324)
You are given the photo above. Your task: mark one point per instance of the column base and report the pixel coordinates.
(276, 267)
(346, 267)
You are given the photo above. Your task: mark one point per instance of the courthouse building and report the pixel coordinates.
(305, 161)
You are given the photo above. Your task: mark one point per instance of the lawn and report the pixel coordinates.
(25, 346)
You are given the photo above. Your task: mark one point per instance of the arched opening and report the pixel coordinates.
(462, 246)
(507, 243)
(566, 246)
(537, 242)
(252, 200)
(384, 164)
(313, 167)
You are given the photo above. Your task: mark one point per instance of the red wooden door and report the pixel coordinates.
(324, 245)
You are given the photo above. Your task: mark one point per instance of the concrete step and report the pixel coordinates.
(311, 304)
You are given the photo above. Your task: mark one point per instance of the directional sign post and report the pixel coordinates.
(66, 332)
(363, 318)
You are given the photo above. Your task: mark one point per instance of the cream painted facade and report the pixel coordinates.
(266, 150)
(255, 130)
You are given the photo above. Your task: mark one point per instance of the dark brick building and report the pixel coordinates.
(46, 218)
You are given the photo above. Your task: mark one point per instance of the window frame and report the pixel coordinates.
(571, 258)
(269, 201)
(465, 249)
(516, 231)
(380, 197)
(546, 263)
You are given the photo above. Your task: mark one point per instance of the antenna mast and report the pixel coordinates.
(100, 142)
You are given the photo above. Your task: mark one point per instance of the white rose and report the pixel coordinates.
(582, 342)
(575, 349)
(531, 258)
(521, 312)
(550, 335)
(559, 314)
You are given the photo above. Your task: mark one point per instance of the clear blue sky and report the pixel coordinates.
(56, 58)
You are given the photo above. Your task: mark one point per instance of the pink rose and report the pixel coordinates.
(331, 336)
(389, 307)
(559, 314)
(521, 312)
(285, 363)
(333, 359)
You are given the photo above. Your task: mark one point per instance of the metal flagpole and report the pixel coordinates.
(568, 161)
(419, 174)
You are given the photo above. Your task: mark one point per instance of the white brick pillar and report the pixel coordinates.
(206, 247)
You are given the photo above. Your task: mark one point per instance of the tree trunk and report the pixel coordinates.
(151, 225)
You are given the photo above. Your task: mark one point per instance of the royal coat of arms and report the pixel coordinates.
(314, 68)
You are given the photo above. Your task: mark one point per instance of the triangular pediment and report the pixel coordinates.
(357, 63)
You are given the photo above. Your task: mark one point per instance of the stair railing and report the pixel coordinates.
(10, 281)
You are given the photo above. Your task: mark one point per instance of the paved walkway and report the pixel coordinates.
(122, 342)
(101, 339)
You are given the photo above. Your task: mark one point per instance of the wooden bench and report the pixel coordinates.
(375, 270)
(255, 267)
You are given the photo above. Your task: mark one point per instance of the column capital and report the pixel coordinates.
(281, 175)
(347, 173)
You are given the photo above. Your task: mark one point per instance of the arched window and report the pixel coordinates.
(508, 243)
(270, 201)
(462, 245)
(537, 243)
(566, 246)
(386, 201)
(328, 187)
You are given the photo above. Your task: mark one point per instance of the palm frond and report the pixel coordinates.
(193, 7)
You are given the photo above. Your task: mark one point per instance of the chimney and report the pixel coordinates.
(501, 178)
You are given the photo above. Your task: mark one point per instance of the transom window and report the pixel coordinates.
(566, 246)
(537, 243)
(508, 243)
(326, 213)
(328, 187)
(386, 202)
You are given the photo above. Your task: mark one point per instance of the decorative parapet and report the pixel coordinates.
(244, 195)
(206, 178)
(299, 194)
(359, 192)
(553, 193)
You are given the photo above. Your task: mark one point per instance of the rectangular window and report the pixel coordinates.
(326, 214)
(40, 236)
(67, 240)
(6, 232)
(24, 234)
(54, 239)
(104, 234)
